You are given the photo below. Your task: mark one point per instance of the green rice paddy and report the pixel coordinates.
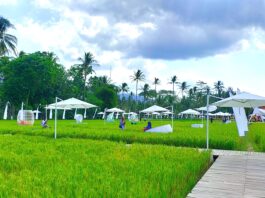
(97, 159)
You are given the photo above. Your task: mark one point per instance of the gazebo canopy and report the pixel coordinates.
(243, 99)
(211, 108)
(154, 108)
(115, 110)
(71, 103)
(190, 112)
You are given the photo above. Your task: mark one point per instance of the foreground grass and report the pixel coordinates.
(42, 167)
(222, 136)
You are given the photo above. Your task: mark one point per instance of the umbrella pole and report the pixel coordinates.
(172, 118)
(55, 119)
(207, 123)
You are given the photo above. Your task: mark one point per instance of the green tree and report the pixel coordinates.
(33, 78)
(145, 91)
(219, 86)
(183, 87)
(124, 88)
(173, 81)
(137, 76)
(8, 42)
(108, 96)
(85, 68)
(156, 82)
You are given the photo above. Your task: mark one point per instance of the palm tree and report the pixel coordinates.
(145, 91)
(86, 68)
(183, 87)
(173, 81)
(156, 82)
(124, 88)
(137, 76)
(219, 86)
(7, 41)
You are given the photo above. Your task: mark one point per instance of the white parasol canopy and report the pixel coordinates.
(189, 112)
(100, 113)
(243, 99)
(211, 108)
(71, 103)
(115, 110)
(154, 108)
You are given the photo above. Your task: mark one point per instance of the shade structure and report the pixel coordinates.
(115, 110)
(211, 108)
(154, 108)
(167, 113)
(71, 103)
(243, 99)
(189, 112)
(100, 113)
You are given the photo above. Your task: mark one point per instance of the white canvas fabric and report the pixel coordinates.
(161, 129)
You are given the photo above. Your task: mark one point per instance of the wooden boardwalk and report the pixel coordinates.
(233, 174)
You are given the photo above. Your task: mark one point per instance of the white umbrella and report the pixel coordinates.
(72, 103)
(69, 103)
(243, 99)
(154, 108)
(115, 110)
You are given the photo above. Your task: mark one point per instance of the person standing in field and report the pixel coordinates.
(122, 123)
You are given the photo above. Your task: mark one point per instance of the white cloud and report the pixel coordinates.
(8, 3)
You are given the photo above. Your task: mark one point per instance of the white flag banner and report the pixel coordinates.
(64, 114)
(5, 113)
(85, 114)
(50, 116)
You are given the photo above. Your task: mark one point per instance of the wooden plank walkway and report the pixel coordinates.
(233, 174)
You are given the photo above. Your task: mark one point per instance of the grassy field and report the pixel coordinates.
(222, 136)
(34, 166)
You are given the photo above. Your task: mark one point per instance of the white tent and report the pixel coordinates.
(189, 112)
(167, 113)
(100, 113)
(219, 114)
(154, 108)
(71, 103)
(115, 110)
(211, 108)
(243, 99)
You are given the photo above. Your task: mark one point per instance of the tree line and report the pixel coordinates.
(37, 78)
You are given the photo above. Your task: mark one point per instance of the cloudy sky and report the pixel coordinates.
(206, 40)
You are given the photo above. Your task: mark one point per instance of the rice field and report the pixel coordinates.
(35, 166)
(222, 136)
